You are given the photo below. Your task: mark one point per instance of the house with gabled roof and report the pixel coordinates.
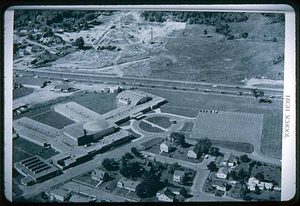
(223, 172)
(230, 160)
(178, 176)
(165, 195)
(252, 182)
(128, 184)
(165, 146)
(99, 175)
(194, 152)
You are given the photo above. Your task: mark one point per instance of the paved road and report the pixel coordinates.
(157, 83)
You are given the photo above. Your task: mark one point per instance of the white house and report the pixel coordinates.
(99, 175)
(165, 146)
(178, 176)
(252, 182)
(128, 184)
(59, 194)
(229, 160)
(223, 172)
(194, 153)
(165, 195)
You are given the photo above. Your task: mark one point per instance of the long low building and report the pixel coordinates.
(76, 112)
(35, 169)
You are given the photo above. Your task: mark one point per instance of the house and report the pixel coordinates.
(128, 184)
(165, 146)
(176, 190)
(194, 152)
(230, 160)
(99, 175)
(219, 184)
(223, 172)
(59, 194)
(252, 182)
(165, 195)
(219, 161)
(178, 176)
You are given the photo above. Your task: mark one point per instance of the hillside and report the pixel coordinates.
(195, 46)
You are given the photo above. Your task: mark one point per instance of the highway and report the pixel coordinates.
(154, 83)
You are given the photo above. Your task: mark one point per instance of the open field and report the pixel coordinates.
(160, 121)
(23, 149)
(237, 146)
(272, 122)
(236, 127)
(21, 92)
(53, 119)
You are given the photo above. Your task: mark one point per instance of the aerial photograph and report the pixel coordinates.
(147, 106)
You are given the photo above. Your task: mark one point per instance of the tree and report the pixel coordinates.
(205, 32)
(110, 164)
(204, 145)
(242, 174)
(149, 186)
(260, 176)
(132, 170)
(212, 166)
(178, 138)
(173, 167)
(128, 155)
(245, 158)
(214, 151)
(234, 175)
(245, 35)
(79, 43)
(135, 151)
(257, 190)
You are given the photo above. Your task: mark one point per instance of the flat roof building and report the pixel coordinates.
(35, 169)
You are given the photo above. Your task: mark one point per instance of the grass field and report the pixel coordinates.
(237, 146)
(160, 121)
(53, 119)
(21, 92)
(272, 123)
(23, 149)
(188, 127)
(187, 112)
(236, 127)
(148, 128)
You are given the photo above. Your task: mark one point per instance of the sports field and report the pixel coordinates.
(230, 126)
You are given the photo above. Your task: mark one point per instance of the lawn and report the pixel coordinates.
(23, 149)
(266, 196)
(272, 137)
(269, 171)
(86, 179)
(53, 119)
(188, 127)
(227, 126)
(21, 92)
(148, 128)
(237, 146)
(160, 121)
(186, 112)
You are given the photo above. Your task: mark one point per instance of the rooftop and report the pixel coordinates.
(179, 173)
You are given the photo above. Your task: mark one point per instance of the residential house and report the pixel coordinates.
(99, 175)
(178, 176)
(176, 190)
(252, 182)
(223, 172)
(59, 194)
(165, 146)
(230, 160)
(165, 195)
(219, 184)
(128, 184)
(194, 152)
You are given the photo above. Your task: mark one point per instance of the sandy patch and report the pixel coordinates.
(254, 81)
